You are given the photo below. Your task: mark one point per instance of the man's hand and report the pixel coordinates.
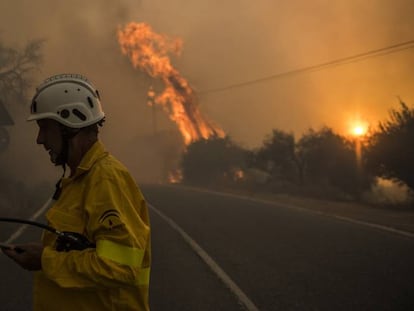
(28, 256)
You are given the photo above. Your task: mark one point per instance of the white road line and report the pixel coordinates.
(223, 276)
(381, 227)
(284, 205)
(23, 228)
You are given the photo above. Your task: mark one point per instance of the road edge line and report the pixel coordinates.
(223, 276)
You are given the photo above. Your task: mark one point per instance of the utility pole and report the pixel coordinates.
(5, 120)
(151, 102)
(154, 119)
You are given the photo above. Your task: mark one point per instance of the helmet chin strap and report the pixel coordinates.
(58, 188)
(62, 159)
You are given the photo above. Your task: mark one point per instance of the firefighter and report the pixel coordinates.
(98, 200)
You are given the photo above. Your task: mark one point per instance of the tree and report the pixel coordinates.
(16, 67)
(278, 157)
(212, 161)
(329, 159)
(390, 151)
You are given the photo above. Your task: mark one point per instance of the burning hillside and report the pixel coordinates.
(149, 52)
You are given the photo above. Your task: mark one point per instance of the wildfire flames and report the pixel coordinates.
(148, 51)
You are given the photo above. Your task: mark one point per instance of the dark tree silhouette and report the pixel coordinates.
(208, 162)
(329, 159)
(390, 152)
(278, 157)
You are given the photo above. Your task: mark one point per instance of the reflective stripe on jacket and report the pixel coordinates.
(102, 202)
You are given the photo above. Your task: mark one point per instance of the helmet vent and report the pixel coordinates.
(97, 94)
(64, 113)
(79, 114)
(90, 102)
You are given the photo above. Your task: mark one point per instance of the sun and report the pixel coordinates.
(359, 130)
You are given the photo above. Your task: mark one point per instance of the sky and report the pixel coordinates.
(225, 43)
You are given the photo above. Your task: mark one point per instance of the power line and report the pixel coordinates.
(337, 62)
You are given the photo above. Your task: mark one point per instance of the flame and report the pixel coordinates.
(238, 175)
(148, 51)
(175, 176)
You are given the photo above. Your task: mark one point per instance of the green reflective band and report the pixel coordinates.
(144, 277)
(119, 253)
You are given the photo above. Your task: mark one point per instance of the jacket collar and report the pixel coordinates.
(96, 152)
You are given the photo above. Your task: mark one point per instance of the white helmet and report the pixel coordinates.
(69, 99)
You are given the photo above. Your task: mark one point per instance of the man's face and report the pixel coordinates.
(50, 137)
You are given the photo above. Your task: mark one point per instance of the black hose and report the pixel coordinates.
(66, 241)
(29, 222)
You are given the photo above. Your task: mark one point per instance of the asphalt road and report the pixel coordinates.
(286, 259)
(280, 258)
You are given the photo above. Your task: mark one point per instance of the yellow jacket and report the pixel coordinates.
(102, 202)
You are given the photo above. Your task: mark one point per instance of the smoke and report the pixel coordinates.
(225, 42)
(388, 192)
